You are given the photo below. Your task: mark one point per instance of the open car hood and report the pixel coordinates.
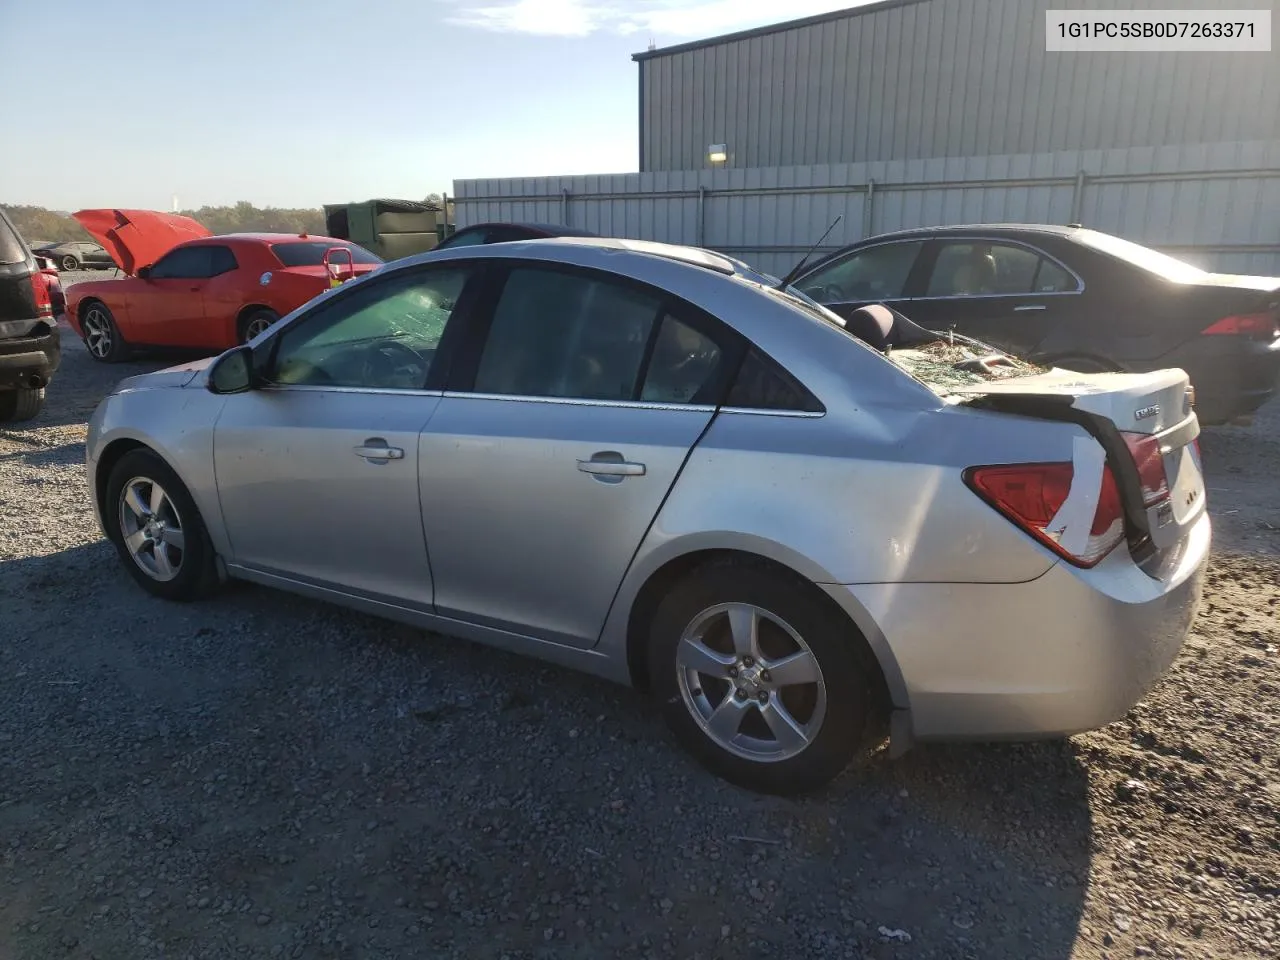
(138, 238)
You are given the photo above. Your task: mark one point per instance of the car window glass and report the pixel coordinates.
(382, 336)
(467, 238)
(223, 260)
(762, 384)
(566, 335)
(683, 366)
(982, 268)
(876, 273)
(185, 263)
(1051, 278)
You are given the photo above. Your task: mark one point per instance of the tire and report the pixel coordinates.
(254, 322)
(68, 262)
(20, 404)
(101, 335)
(182, 567)
(839, 707)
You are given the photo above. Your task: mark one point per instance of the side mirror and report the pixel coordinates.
(144, 273)
(232, 372)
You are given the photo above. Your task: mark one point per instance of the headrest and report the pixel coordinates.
(873, 324)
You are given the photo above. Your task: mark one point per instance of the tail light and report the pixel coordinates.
(40, 286)
(1260, 326)
(1149, 460)
(1032, 494)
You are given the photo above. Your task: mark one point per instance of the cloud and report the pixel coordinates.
(666, 18)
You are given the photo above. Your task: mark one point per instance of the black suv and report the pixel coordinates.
(30, 349)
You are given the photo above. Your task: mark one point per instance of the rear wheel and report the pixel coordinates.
(69, 262)
(20, 404)
(759, 678)
(101, 336)
(151, 518)
(255, 321)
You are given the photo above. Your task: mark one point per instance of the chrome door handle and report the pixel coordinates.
(611, 465)
(1022, 308)
(375, 449)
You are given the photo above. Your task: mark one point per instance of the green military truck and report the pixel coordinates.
(389, 228)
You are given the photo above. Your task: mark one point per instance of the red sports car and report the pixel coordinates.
(188, 289)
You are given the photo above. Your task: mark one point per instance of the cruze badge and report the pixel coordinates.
(1147, 412)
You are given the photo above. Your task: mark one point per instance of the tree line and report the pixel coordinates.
(40, 224)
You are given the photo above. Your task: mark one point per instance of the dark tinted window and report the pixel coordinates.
(976, 268)
(465, 238)
(10, 244)
(185, 263)
(684, 366)
(566, 335)
(310, 253)
(762, 384)
(874, 273)
(223, 260)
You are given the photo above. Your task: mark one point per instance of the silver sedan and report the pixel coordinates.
(652, 464)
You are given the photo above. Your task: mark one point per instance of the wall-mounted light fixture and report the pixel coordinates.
(717, 153)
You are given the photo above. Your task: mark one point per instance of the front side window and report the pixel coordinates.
(976, 268)
(874, 273)
(566, 335)
(384, 335)
(184, 263)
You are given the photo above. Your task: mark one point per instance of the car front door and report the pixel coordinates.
(317, 469)
(168, 308)
(1005, 293)
(574, 404)
(876, 273)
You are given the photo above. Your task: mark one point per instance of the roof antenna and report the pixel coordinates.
(796, 269)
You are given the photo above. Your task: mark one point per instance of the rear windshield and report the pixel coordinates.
(11, 250)
(1153, 261)
(310, 253)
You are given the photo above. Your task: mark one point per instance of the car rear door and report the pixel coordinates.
(317, 470)
(575, 403)
(1003, 292)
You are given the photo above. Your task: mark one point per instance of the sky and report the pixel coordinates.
(297, 103)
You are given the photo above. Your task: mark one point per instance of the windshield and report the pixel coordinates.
(310, 253)
(1153, 261)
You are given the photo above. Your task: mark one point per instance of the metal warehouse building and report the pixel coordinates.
(914, 112)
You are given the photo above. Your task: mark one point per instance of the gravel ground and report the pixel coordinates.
(261, 775)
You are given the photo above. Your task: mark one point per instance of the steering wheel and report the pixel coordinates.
(832, 293)
(390, 361)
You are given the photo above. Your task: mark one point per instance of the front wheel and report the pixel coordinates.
(20, 404)
(69, 263)
(760, 678)
(156, 528)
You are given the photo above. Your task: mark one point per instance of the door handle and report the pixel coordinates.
(375, 450)
(611, 465)
(1023, 307)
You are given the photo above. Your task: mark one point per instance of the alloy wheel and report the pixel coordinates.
(151, 529)
(256, 326)
(751, 682)
(98, 336)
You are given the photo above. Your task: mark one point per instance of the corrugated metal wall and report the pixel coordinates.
(943, 78)
(1217, 205)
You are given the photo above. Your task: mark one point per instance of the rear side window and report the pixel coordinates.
(310, 253)
(223, 260)
(762, 384)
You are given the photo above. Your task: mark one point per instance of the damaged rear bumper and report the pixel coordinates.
(1070, 651)
(29, 361)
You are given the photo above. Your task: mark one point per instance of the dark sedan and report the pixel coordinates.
(479, 233)
(1074, 298)
(76, 255)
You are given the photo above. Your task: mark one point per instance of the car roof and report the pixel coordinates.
(1049, 228)
(268, 238)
